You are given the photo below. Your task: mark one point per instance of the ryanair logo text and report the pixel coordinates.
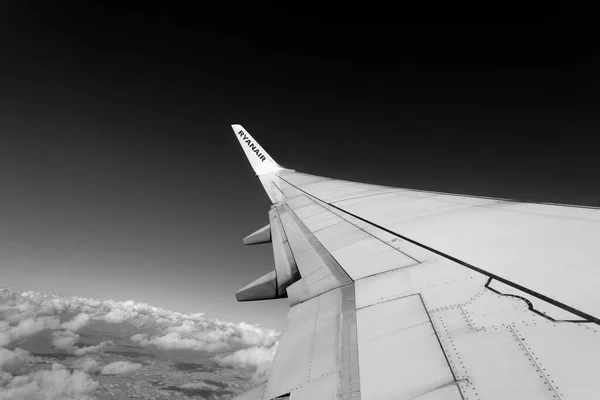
(252, 145)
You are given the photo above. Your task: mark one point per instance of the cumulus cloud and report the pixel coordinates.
(76, 323)
(175, 340)
(56, 384)
(117, 315)
(4, 339)
(120, 368)
(30, 312)
(250, 357)
(260, 358)
(13, 362)
(240, 345)
(31, 326)
(65, 340)
(87, 364)
(82, 351)
(5, 378)
(211, 336)
(262, 373)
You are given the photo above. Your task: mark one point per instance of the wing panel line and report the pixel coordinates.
(437, 336)
(533, 293)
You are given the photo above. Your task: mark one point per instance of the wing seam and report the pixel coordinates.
(531, 292)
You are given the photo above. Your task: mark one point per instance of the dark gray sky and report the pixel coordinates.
(121, 177)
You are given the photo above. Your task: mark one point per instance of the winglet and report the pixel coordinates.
(260, 160)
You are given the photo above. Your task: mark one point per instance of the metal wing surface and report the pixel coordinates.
(406, 294)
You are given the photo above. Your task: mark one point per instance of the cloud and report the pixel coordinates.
(175, 340)
(87, 364)
(31, 326)
(13, 362)
(250, 357)
(82, 351)
(202, 390)
(4, 339)
(76, 323)
(211, 336)
(65, 340)
(55, 384)
(262, 373)
(240, 345)
(260, 358)
(120, 368)
(116, 316)
(5, 378)
(30, 312)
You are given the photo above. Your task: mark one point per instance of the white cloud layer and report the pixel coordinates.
(174, 340)
(259, 358)
(87, 364)
(65, 340)
(26, 328)
(250, 357)
(13, 362)
(120, 368)
(56, 384)
(76, 323)
(23, 315)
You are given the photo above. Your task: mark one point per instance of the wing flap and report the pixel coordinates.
(400, 356)
(256, 393)
(321, 388)
(314, 353)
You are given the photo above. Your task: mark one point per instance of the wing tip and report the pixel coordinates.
(259, 159)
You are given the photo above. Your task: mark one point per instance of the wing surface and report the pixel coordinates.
(406, 294)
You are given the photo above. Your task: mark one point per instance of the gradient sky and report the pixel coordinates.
(121, 177)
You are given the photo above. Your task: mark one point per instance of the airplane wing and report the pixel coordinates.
(409, 294)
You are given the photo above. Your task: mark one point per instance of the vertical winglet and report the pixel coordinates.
(260, 160)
